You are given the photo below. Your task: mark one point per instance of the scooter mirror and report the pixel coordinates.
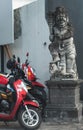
(14, 57)
(18, 59)
(27, 54)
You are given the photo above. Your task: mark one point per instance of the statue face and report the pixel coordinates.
(61, 20)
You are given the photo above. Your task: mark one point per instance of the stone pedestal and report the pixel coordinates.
(64, 100)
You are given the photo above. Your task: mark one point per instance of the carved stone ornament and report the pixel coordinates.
(62, 46)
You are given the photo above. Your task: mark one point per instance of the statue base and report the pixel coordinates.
(64, 100)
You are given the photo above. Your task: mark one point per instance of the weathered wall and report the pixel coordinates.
(34, 34)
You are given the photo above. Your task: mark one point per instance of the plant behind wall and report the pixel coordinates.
(17, 24)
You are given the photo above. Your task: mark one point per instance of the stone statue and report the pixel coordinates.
(62, 47)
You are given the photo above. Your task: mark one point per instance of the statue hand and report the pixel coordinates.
(59, 37)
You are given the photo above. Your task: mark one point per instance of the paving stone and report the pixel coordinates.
(44, 126)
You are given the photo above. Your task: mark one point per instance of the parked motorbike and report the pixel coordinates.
(15, 103)
(35, 88)
(38, 90)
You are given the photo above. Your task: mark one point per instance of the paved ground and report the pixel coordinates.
(45, 126)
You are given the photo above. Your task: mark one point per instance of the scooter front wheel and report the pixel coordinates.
(27, 122)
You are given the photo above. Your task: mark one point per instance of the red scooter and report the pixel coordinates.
(15, 104)
(38, 90)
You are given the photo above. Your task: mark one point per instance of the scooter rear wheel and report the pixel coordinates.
(26, 122)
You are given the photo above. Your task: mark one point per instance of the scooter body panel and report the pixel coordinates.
(21, 93)
(3, 79)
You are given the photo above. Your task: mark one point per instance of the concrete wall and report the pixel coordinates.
(34, 34)
(6, 22)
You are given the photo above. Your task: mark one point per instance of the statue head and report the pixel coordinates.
(61, 17)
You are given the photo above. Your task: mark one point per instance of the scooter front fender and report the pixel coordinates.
(37, 84)
(31, 103)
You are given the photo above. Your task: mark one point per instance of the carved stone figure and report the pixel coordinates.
(62, 47)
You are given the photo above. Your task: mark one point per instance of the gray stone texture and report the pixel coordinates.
(64, 102)
(45, 126)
